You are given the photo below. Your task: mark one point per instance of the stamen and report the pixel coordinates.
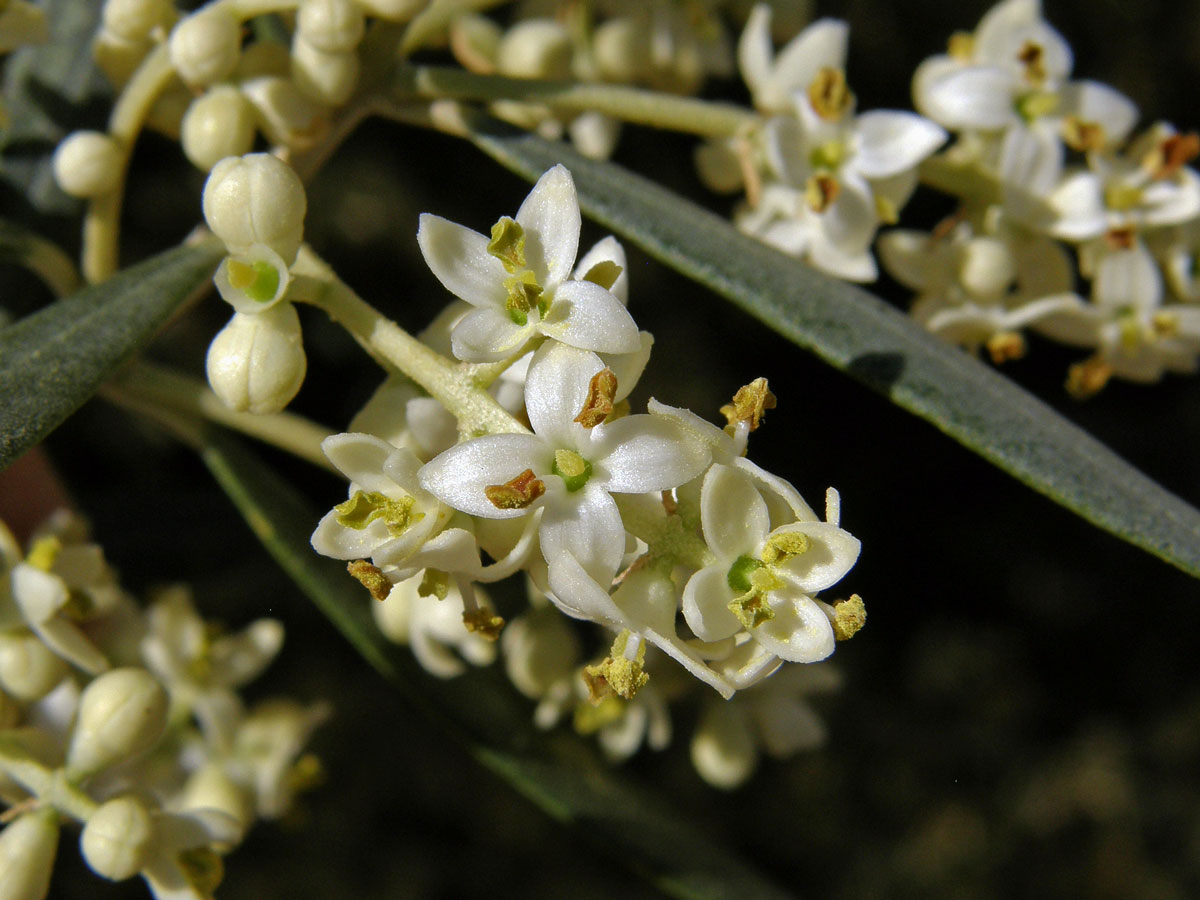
(849, 616)
(1083, 136)
(366, 506)
(749, 404)
(1033, 57)
(621, 671)
(1088, 378)
(1004, 346)
(829, 95)
(508, 244)
(371, 577)
(820, 192)
(516, 494)
(599, 403)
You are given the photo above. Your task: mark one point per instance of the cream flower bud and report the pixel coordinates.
(219, 124)
(535, 48)
(392, 10)
(210, 788)
(327, 78)
(331, 26)
(987, 267)
(540, 649)
(133, 20)
(122, 713)
(117, 839)
(87, 164)
(256, 199)
(621, 48)
(118, 57)
(474, 40)
(256, 363)
(205, 46)
(723, 749)
(27, 848)
(29, 670)
(166, 115)
(285, 115)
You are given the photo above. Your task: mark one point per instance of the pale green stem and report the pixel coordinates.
(143, 383)
(101, 225)
(485, 374)
(436, 18)
(666, 536)
(398, 351)
(42, 257)
(50, 786)
(642, 107)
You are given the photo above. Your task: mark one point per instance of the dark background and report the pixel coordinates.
(1021, 715)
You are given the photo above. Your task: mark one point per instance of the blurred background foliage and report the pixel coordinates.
(1021, 716)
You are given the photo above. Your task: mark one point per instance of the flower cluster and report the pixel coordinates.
(1041, 159)
(653, 525)
(128, 720)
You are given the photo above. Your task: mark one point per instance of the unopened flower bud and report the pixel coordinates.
(987, 267)
(474, 41)
(331, 26)
(205, 47)
(256, 363)
(621, 48)
(285, 115)
(256, 199)
(210, 788)
(122, 713)
(326, 78)
(27, 848)
(166, 115)
(392, 10)
(219, 124)
(29, 670)
(535, 48)
(87, 164)
(134, 20)
(118, 57)
(540, 649)
(118, 837)
(723, 750)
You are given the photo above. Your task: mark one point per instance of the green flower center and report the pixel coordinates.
(739, 573)
(572, 468)
(258, 280)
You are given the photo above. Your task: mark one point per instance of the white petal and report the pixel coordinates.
(821, 45)
(608, 249)
(556, 389)
(831, 553)
(458, 257)
(488, 335)
(787, 726)
(577, 594)
(1128, 278)
(628, 367)
(733, 514)
(1092, 101)
(586, 526)
(892, 141)
(335, 540)
(723, 749)
(706, 599)
(361, 458)
(754, 50)
(1079, 204)
(800, 630)
(1031, 158)
(585, 315)
(551, 219)
(459, 476)
(971, 97)
(646, 453)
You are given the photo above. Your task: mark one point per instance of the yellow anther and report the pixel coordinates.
(752, 609)
(782, 547)
(1120, 238)
(599, 403)
(1036, 104)
(849, 616)
(241, 275)
(1033, 57)
(1122, 197)
(508, 244)
(484, 622)
(434, 583)
(44, 552)
(604, 273)
(371, 577)
(1004, 346)
(1088, 378)
(603, 709)
(364, 507)
(516, 494)
(1171, 155)
(820, 191)
(569, 463)
(617, 674)
(1165, 324)
(1082, 135)
(749, 404)
(886, 210)
(961, 46)
(829, 95)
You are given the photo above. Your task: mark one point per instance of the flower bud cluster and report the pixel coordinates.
(255, 204)
(654, 526)
(128, 721)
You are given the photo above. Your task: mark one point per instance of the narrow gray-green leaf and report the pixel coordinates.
(55, 359)
(857, 332)
(557, 773)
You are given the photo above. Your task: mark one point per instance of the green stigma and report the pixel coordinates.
(572, 468)
(739, 573)
(258, 280)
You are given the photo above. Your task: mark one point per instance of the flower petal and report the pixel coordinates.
(733, 514)
(706, 599)
(488, 335)
(556, 389)
(586, 526)
(890, 141)
(646, 453)
(361, 457)
(458, 257)
(831, 553)
(800, 630)
(459, 476)
(585, 315)
(551, 219)
(971, 97)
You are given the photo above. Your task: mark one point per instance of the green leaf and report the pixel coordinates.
(556, 772)
(55, 359)
(858, 333)
(47, 90)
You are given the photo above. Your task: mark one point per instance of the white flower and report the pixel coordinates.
(567, 470)
(266, 752)
(762, 578)
(774, 78)
(389, 515)
(519, 279)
